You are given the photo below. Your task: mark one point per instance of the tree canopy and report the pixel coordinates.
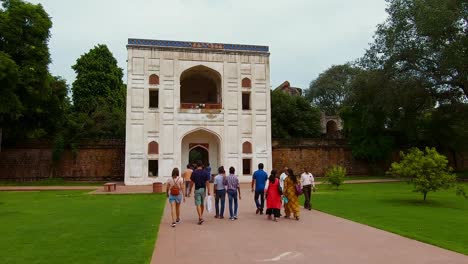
(332, 88)
(98, 81)
(426, 39)
(293, 116)
(32, 100)
(98, 96)
(427, 170)
(410, 91)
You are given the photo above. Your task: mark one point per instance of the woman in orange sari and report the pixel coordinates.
(292, 204)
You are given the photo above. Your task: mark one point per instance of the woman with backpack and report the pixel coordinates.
(273, 197)
(174, 191)
(291, 192)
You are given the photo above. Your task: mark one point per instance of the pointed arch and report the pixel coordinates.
(200, 86)
(332, 127)
(246, 148)
(154, 79)
(246, 83)
(153, 147)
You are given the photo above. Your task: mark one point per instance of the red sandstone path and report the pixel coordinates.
(316, 238)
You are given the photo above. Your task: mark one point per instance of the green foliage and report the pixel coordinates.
(10, 104)
(293, 116)
(98, 81)
(332, 88)
(98, 97)
(34, 100)
(426, 39)
(412, 91)
(335, 176)
(365, 118)
(428, 170)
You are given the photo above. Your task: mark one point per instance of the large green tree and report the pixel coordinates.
(412, 92)
(332, 88)
(35, 101)
(10, 105)
(98, 96)
(427, 39)
(293, 116)
(98, 80)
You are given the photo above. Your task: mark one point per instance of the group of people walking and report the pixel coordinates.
(278, 190)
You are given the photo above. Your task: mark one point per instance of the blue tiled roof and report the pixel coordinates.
(196, 45)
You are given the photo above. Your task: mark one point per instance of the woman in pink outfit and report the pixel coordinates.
(273, 197)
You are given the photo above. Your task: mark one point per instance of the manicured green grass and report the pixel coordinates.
(50, 182)
(75, 227)
(351, 178)
(441, 220)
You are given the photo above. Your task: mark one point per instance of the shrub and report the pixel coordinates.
(428, 170)
(335, 176)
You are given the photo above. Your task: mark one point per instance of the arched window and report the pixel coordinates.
(153, 79)
(247, 148)
(200, 87)
(153, 148)
(331, 127)
(246, 83)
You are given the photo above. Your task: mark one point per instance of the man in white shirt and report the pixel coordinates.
(307, 182)
(283, 177)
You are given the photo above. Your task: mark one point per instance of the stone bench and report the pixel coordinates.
(110, 186)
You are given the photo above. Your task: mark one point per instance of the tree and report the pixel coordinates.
(10, 105)
(332, 88)
(98, 81)
(366, 118)
(293, 116)
(98, 96)
(426, 39)
(428, 170)
(34, 102)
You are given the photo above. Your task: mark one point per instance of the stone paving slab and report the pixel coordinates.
(316, 238)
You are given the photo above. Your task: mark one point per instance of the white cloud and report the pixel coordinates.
(305, 37)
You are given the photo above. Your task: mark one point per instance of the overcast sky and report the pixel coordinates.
(305, 37)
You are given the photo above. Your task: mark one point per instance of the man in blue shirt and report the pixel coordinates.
(259, 179)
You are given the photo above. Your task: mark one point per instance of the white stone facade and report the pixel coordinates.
(221, 126)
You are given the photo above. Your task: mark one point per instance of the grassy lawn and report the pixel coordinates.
(74, 227)
(441, 220)
(351, 178)
(50, 182)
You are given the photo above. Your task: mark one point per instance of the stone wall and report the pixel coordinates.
(93, 161)
(317, 155)
(105, 160)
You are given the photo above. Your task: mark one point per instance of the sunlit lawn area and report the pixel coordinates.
(441, 220)
(50, 182)
(75, 227)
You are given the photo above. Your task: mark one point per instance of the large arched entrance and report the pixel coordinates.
(201, 144)
(200, 87)
(199, 153)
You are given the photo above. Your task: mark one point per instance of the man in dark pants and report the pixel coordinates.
(259, 179)
(308, 183)
(219, 189)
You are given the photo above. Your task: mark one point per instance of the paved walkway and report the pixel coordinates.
(316, 238)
